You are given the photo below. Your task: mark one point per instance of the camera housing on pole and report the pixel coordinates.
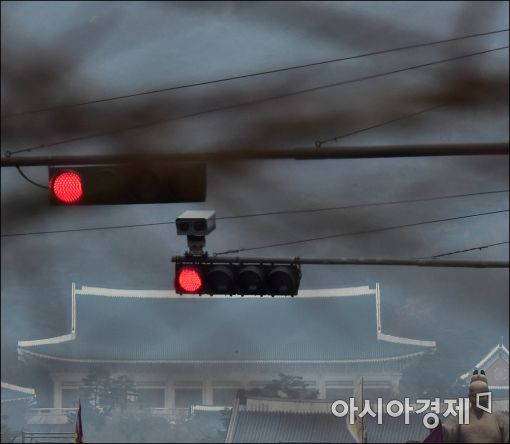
(195, 225)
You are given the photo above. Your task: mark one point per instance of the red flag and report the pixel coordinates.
(436, 436)
(78, 429)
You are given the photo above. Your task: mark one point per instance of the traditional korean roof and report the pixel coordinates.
(340, 325)
(277, 420)
(495, 364)
(11, 392)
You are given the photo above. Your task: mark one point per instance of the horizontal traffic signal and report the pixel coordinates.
(127, 184)
(203, 277)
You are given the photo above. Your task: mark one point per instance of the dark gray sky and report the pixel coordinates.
(64, 52)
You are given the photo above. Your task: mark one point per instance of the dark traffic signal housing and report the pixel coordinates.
(203, 276)
(127, 184)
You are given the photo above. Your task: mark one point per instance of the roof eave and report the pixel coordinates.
(24, 351)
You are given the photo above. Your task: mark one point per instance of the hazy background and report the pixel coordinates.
(56, 53)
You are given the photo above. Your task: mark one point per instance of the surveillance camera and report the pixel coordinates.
(196, 223)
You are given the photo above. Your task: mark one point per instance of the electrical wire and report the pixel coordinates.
(245, 76)
(376, 230)
(481, 247)
(364, 205)
(30, 180)
(269, 213)
(252, 102)
(319, 143)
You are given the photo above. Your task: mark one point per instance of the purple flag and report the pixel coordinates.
(436, 436)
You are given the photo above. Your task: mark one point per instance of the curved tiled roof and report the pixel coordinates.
(292, 420)
(320, 427)
(208, 329)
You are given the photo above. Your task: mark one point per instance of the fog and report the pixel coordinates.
(59, 53)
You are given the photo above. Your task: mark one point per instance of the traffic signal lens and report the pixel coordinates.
(251, 280)
(282, 280)
(220, 280)
(189, 280)
(67, 187)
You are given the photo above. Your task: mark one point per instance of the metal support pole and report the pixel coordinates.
(345, 261)
(352, 152)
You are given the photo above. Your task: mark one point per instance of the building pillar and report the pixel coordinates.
(57, 394)
(169, 394)
(395, 384)
(207, 396)
(321, 387)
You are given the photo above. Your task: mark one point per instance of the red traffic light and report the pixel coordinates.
(189, 280)
(202, 275)
(67, 187)
(129, 183)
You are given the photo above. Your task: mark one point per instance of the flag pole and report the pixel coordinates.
(78, 427)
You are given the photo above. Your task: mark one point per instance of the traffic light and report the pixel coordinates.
(127, 184)
(203, 276)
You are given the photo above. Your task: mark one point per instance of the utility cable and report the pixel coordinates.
(270, 213)
(376, 230)
(482, 247)
(30, 180)
(250, 103)
(245, 76)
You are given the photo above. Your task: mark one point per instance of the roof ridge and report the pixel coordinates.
(286, 405)
(364, 290)
(48, 341)
(390, 338)
(487, 357)
(276, 399)
(18, 388)
(232, 424)
(407, 341)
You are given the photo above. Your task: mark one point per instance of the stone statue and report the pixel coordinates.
(483, 427)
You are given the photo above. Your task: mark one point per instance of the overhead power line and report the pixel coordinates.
(30, 180)
(319, 143)
(245, 76)
(253, 102)
(365, 205)
(481, 247)
(268, 213)
(354, 233)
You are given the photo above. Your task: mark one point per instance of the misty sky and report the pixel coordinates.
(131, 47)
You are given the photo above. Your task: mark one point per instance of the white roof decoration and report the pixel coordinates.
(18, 388)
(170, 294)
(499, 350)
